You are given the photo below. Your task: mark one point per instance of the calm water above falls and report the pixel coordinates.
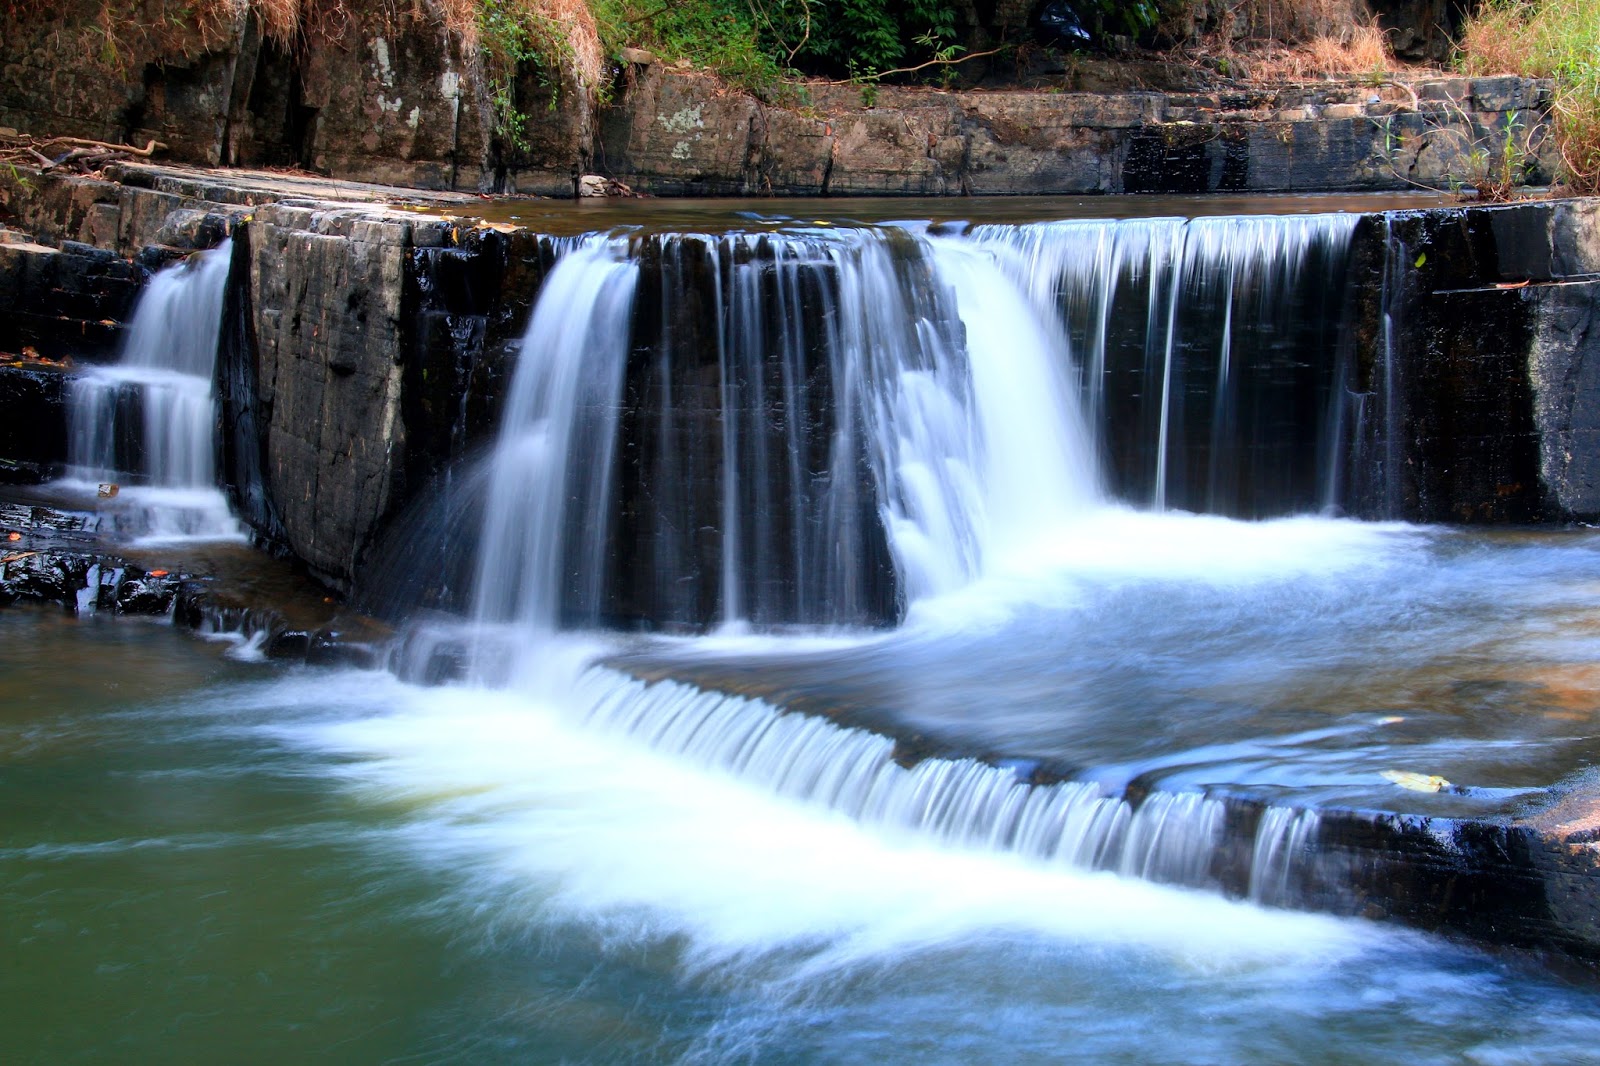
(206, 860)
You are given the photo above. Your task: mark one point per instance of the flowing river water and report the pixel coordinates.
(210, 857)
(213, 860)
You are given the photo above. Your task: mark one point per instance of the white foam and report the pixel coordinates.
(1118, 546)
(538, 816)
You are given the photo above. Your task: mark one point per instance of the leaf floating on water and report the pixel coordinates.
(1423, 258)
(1416, 782)
(1391, 719)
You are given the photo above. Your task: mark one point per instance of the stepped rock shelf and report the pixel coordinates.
(1439, 361)
(395, 98)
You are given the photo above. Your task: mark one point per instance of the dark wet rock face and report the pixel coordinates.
(468, 295)
(1564, 363)
(367, 353)
(1477, 387)
(42, 577)
(33, 423)
(65, 302)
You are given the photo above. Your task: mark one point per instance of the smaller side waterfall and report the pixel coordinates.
(149, 422)
(1284, 840)
(1379, 478)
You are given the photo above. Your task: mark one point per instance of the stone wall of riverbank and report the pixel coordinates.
(392, 97)
(674, 134)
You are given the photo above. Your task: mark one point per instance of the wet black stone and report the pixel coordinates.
(334, 647)
(288, 644)
(144, 594)
(1450, 433)
(43, 577)
(241, 443)
(1172, 158)
(33, 423)
(66, 303)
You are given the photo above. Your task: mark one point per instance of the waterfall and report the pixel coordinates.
(150, 419)
(818, 426)
(1284, 840)
(822, 425)
(545, 520)
(1210, 350)
(1036, 465)
(1379, 477)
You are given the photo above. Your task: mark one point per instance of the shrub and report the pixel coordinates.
(1556, 39)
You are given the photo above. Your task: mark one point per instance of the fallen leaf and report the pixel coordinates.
(1416, 782)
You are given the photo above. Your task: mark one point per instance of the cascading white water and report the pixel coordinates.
(899, 351)
(1167, 837)
(936, 369)
(555, 441)
(151, 419)
(1037, 467)
(1284, 839)
(1239, 270)
(965, 427)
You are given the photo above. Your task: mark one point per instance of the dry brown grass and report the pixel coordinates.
(1285, 40)
(1252, 25)
(579, 37)
(1359, 50)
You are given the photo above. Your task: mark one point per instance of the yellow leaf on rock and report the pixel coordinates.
(1416, 782)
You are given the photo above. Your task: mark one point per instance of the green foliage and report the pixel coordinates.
(764, 45)
(1127, 18)
(1557, 39)
(863, 37)
(727, 36)
(515, 38)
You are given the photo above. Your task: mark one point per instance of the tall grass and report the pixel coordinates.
(1557, 39)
